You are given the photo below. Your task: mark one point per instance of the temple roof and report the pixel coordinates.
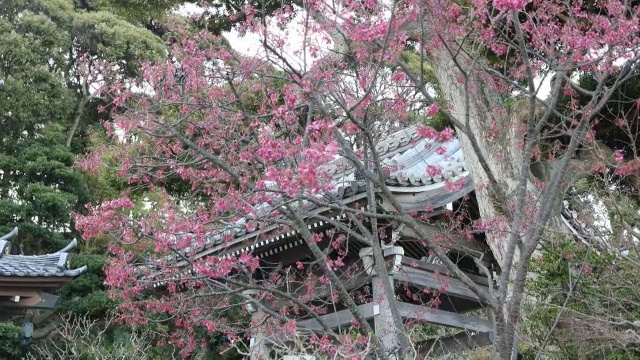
(48, 265)
(404, 156)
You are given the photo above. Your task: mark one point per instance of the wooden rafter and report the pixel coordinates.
(344, 318)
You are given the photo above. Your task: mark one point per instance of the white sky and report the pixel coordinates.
(249, 44)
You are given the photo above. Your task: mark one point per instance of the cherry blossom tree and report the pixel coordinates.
(248, 140)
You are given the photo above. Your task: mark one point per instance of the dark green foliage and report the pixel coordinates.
(86, 295)
(137, 12)
(38, 188)
(10, 341)
(94, 305)
(41, 94)
(614, 123)
(216, 24)
(622, 105)
(40, 46)
(148, 12)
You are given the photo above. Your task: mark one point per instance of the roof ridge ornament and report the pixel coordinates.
(5, 247)
(62, 261)
(72, 245)
(5, 241)
(386, 148)
(10, 235)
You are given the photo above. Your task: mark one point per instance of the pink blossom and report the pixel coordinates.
(259, 130)
(290, 327)
(433, 110)
(427, 132)
(446, 135)
(618, 156)
(454, 186)
(441, 150)
(210, 325)
(433, 170)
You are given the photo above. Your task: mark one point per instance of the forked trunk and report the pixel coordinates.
(497, 136)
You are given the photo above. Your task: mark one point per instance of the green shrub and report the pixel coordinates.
(10, 341)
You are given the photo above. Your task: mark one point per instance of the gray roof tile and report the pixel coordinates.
(48, 265)
(404, 154)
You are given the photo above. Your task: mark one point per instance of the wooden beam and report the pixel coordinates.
(458, 304)
(13, 291)
(352, 282)
(268, 232)
(23, 281)
(427, 279)
(259, 344)
(23, 301)
(461, 244)
(40, 300)
(440, 317)
(423, 265)
(416, 312)
(35, 285)
(340, 318)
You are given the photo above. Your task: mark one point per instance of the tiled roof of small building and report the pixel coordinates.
(48, 265)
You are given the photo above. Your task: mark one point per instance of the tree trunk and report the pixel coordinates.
(500, 152)
(492, 142)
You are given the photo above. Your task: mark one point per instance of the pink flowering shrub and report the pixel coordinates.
(219, 147)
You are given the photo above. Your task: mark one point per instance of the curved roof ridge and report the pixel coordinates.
(45, 265)
(10, 235)
(396, 142)
(70, 246)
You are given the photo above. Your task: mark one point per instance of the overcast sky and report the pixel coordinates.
(250, 44)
